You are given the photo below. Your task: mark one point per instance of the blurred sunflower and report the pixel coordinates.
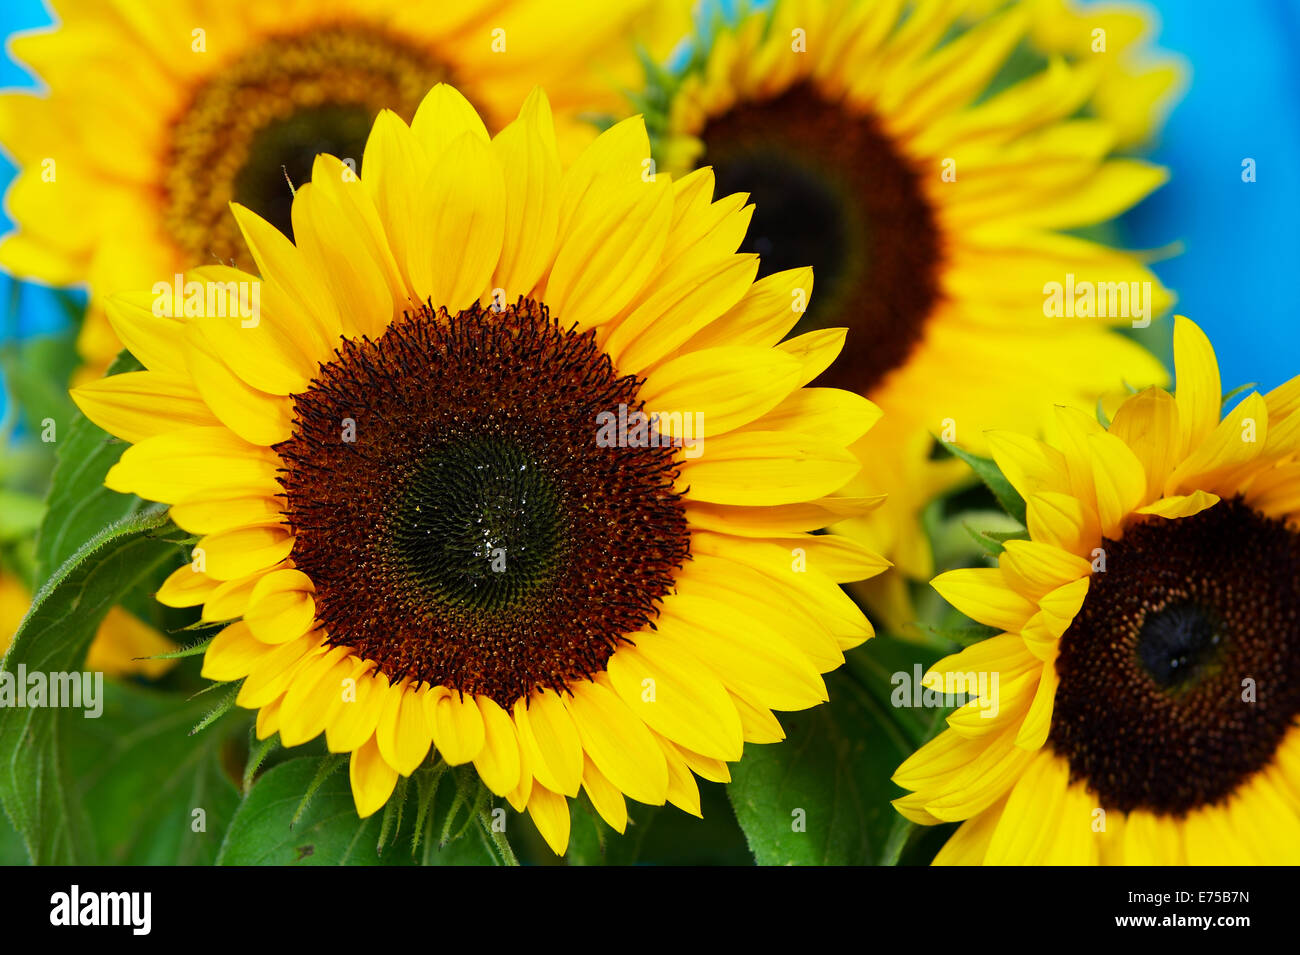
(1139, 84)
(931, 188)
(1147, 701)
(158, 116)
(445, 509)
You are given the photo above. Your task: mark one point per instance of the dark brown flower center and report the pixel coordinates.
(460, 517)
(832, 191)
(259, 123)
(1181, 673)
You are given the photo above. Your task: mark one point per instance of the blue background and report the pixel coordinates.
(1241, 241)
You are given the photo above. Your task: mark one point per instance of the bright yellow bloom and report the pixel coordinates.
(121, 647)
(934, 217)
(1146, 697)
(160, 114)
(420, 480)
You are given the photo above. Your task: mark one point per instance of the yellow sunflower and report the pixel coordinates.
(157, 116)
(122, 646)
(934, 211)
(1141, 706)
(508, 461)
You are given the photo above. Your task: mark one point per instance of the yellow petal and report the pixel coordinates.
(1119, 479)
(1196, 375)
(443, 116)
(983, 594)
(550, 742)
(281, 606)
(618, 743)
(677, 695)
(722, 388)
(463, 207)
(224, 509)
(233, 653)
(458, 730)
(373, 780)
(605, 796)
(140, 404)
(170, 467)
(186, 587)
(527, 152)
(1180, 505)
(550, 813)
(363, 704)
(763, 468)
(313, 694)
(148, 332)
(498, 761)
(607, 250)
(405, 732)
(1148, 423)
(232, 554)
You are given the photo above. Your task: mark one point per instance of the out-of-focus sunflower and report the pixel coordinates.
(122, 645)
(933, 193)
(421, 483)
(1147, 697)
(1138, 84)
(158, 115)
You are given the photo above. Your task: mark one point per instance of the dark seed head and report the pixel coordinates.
(467, 529)
(1181, 673)
(256, 126)
(832, 191)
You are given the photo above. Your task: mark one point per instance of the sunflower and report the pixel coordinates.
(123, 644)
(934, 209)
(509, 462)
(1141, 704)
(159, 117)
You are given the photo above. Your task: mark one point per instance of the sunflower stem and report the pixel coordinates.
(392, 820)
(257, 756)
(218, 711)
(426, 792)
(498, 839)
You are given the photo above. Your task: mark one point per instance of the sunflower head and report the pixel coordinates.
(934, 168)
(1145, 707)
(161, 119)
(504, 459)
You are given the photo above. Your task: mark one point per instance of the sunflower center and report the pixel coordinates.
(259, 122)
(1177, 677)
(462, 523)
(1178, 645)
(481, 525)
(832, 191)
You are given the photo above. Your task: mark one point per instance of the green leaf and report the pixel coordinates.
(154, 794)
(821, 797)
(35, 783)
(78, 504)
(988, 472)
(327, 833)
